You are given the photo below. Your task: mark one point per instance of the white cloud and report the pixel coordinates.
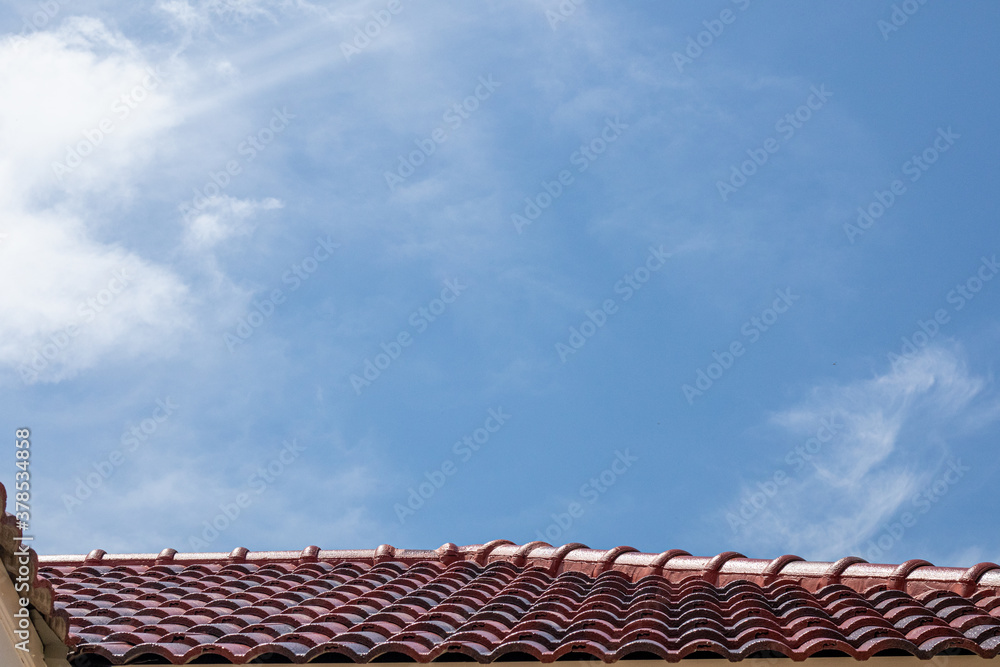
(85, 91)
(223, 217)
(888, 444)
(80, 109)
(77, 300)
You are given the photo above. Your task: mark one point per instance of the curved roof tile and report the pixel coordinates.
(507, 601)
(501, 600)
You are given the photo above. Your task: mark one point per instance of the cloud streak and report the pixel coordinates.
(890, 435)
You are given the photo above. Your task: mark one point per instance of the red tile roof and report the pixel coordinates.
(505, 601)
(497, 601)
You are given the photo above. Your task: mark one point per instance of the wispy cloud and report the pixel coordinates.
(171, 491)
(200, 14)
(890, 439)
(223, 217)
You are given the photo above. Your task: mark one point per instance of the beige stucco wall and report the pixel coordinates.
(9, 653)
(44, 648)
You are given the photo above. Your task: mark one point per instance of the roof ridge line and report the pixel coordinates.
(568, 555)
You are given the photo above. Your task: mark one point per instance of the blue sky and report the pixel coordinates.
(711, 276)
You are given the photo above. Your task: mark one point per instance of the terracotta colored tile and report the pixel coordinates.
(485, 602)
